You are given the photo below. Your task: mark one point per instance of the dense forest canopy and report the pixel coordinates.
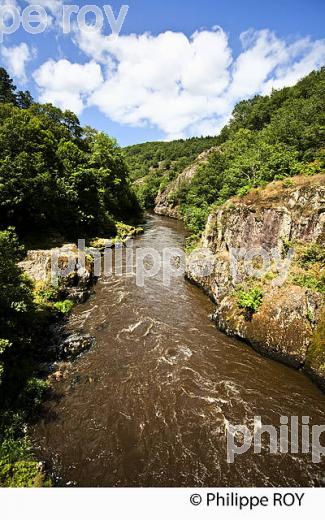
(268, 137)
(56, 176)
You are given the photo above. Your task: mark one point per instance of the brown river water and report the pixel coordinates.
(148, 405)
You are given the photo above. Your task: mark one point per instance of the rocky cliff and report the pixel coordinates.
(262, 261)
(164, 202)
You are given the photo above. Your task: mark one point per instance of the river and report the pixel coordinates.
(148, 405)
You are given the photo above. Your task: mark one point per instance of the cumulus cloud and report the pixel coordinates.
(183, 85)
(16, 58)
(67, 84)
(168, 80)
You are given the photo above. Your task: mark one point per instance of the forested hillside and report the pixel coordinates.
(153, 165)
(268, 137)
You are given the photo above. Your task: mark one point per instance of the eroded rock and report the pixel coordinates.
(289, 324)
(163, 203)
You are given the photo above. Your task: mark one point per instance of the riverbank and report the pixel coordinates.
(148, 405)
(51, 282)
(261, 260)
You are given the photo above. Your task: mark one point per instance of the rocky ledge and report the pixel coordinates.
(262, 261)
(75, 279)
(73, 273)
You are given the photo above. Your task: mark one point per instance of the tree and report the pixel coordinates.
(7, 88)
(16, 303)
(56, 177)
(24, 99)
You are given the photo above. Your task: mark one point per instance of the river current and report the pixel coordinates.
(149, 404)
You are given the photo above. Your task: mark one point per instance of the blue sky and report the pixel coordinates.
(176, 69)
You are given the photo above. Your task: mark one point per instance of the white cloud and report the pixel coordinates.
(67, 84)
(312, 56)
(8, 2)
(15, 58)
(168, 80)
(182, 85)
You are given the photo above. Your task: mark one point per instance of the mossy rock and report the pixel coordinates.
(315, 359)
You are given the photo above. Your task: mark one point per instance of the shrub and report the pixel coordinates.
(244, 190)
(64, 306)
(250, 300)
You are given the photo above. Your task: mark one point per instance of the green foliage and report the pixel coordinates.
(287, 245)
(8, 92)
(195, 217)
(268, 137)
(64, 307)
(45, 293)
(16, 299)
(17, 465)
(309, 268)
(158, 163)
(20, 391)
(22, 474)
(250, 300)
(244, 190)
(312, 254)
(33, 393)
(288, 183)
(310, 315)
(58, 177)
(311, 281)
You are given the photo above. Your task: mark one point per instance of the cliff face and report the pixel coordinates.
(262, 261)
(164, 204)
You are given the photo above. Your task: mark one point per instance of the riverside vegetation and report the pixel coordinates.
(59, 181)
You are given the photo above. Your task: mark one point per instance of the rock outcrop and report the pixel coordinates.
(61, 264)
(261, 260)
(164, 203)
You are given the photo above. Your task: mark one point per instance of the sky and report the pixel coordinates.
(175, 70)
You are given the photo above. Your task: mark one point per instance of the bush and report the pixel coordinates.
(195, 218)
(250, 300)
(244, 190)
(64, 306)
(22, 474)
